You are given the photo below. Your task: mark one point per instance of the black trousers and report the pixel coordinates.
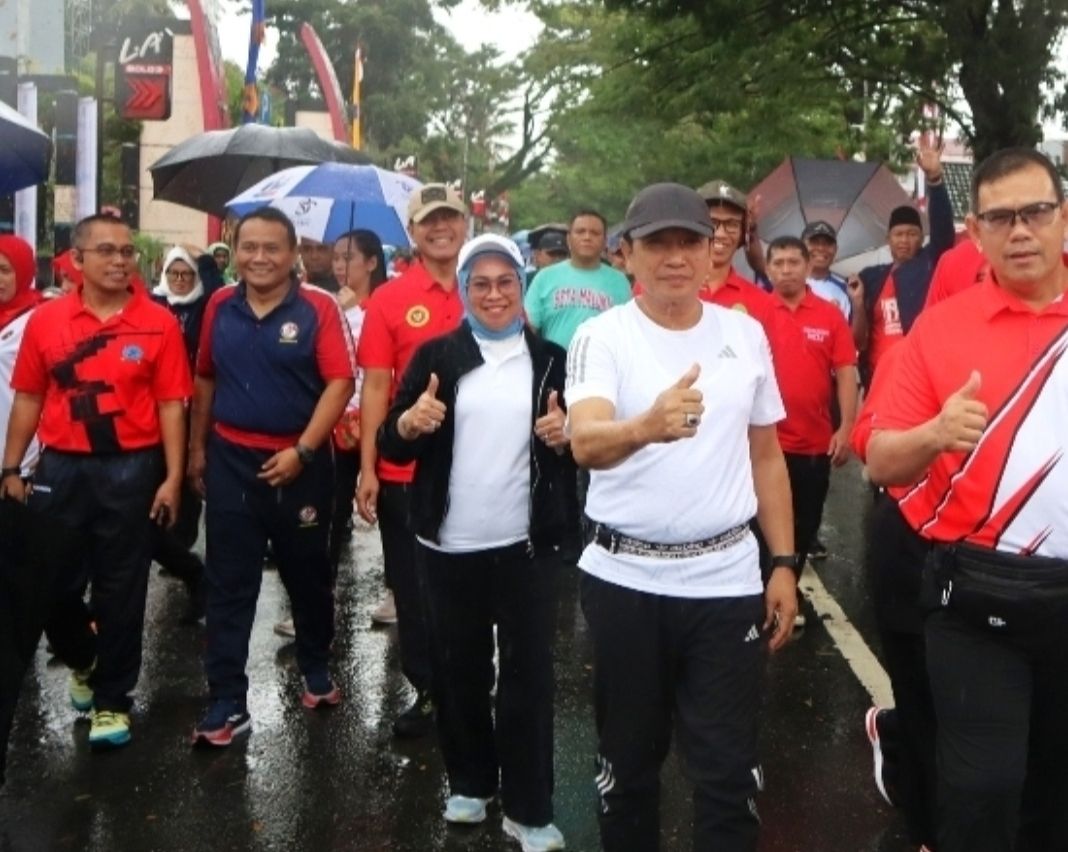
(894, 560)
(695, 665)
(1002, 738)
(173, 548)
(346, 473)
(810, 477)
(243, 515)
(507, 742)
(403, 579)
(104, 501)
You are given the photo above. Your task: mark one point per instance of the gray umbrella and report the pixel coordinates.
(207, 170)
(25, 152)
(855, 198)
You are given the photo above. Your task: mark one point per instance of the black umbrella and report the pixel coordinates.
(206, 171)
(855, 198)
(25, 152)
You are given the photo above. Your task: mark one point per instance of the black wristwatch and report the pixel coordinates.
(305, 454)
(788, 560)
(5, 472)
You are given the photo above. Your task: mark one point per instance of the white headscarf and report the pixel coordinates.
(164, 288)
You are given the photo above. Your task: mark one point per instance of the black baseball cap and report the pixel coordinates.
(553, 242)
(666, 205)
(819, 228)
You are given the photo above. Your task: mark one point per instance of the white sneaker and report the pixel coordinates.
(465, 810)
(386, 611)
(534, 839)
(286, 629)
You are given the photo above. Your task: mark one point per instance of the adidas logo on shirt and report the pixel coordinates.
(727, 352)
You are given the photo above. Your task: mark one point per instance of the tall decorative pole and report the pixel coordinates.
(357, 108)
(250, 99)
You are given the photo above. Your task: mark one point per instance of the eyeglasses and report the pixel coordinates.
(1036, 215)
(181, 275)
(483, 286)
(108, 251)
(730, 226)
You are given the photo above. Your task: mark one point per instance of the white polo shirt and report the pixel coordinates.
(489, 484)
(10, 338)
(690, 489)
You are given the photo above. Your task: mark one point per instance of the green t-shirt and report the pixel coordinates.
(561, 298)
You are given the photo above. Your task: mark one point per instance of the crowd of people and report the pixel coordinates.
(498, 426)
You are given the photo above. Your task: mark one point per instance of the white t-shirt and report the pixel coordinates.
(489, 484)
(355, 316)
(690, 489)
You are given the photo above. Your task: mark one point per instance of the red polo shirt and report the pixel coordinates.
(102, 380)
(1009, 492)
(741, 294)
(958, 269)
(402, 315)
(806, 382)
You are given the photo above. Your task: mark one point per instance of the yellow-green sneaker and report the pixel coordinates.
(110, 729)
(81, 693)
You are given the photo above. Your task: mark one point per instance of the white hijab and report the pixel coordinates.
(164, 289)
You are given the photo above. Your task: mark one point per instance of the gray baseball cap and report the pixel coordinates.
(666, 205)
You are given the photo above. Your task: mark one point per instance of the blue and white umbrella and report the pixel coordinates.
(327, 200)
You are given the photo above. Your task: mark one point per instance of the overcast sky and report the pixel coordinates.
(511, 30)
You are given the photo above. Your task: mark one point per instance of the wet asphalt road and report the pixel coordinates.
(336, 780)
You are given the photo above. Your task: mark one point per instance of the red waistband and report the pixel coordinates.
(256, 440)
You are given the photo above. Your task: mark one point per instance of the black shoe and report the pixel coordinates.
(817, 549)
(417, 720)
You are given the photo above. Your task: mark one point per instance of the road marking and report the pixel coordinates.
(847, 638)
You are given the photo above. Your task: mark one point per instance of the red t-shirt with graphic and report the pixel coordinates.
(886, 330)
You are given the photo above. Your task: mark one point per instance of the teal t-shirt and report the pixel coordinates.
(561, 298)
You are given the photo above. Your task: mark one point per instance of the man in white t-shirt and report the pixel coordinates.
(673, 405)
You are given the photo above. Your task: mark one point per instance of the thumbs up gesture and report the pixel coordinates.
(550, 426)
(677, 411)
(426, 416)
(963, 418)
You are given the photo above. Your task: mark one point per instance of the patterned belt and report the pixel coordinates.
(614, 541)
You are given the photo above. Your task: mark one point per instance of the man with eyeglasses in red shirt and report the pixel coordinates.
(101, 378)
(972, 430)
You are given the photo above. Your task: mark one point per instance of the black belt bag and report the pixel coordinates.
(1001, 592)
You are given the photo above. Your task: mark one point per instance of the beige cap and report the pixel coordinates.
(431, 197)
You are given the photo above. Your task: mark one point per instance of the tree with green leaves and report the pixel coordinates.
(997, 56)
(422, 93)
(633, 102)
